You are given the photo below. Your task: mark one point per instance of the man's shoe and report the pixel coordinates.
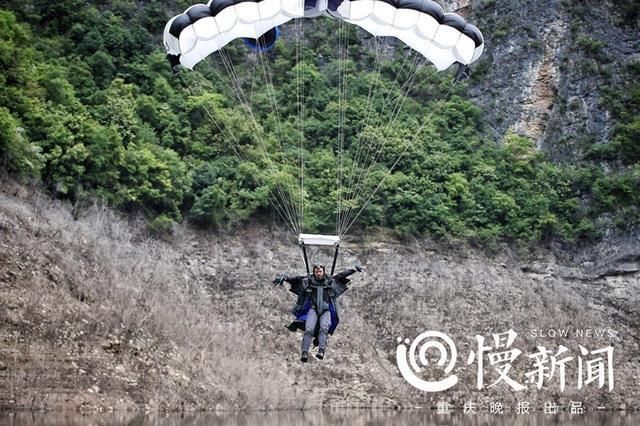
(320, 354)
(305, 357)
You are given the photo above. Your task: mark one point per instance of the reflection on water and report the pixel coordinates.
(333, 417)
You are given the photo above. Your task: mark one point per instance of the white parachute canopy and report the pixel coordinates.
(442, 38)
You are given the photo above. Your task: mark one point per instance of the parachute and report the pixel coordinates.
(442, 38)
(439, 38)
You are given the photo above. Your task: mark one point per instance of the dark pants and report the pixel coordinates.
(310, 326)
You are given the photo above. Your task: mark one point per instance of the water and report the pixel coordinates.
(345, 417)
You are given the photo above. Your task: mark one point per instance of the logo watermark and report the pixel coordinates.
(586, 366)
(410, 368)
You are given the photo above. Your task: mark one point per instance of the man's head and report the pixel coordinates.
(318, 272)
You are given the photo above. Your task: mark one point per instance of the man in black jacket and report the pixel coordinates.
(316, 309)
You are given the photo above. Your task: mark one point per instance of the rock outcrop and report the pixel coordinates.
(545, 69)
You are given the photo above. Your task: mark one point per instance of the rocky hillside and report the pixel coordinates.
(97, 314)
(548, 65)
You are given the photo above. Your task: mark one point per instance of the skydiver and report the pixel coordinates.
(317, 299)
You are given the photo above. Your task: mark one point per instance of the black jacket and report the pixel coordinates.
(305, 287)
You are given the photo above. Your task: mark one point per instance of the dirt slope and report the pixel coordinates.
(95, 314)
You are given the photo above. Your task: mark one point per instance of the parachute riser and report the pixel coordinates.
(319, 240)
(335, 258)
(306, 259)
(304, 256)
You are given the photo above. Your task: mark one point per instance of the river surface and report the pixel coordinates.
(334, 417)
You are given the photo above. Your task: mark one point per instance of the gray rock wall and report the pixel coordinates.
(545, 67)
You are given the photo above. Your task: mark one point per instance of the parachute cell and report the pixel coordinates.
(264, 42)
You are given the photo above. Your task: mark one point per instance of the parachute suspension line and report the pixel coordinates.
(253, 80)
(346, 82)
(286, 192)
(343, 91)
(370, 97)
(274, 202)
(369, 164)
(355, 184)
(339, 151)
(391, 96)
(405, 90)
(341, 96)
(339, 126)
(407, 145)
(400, 101)
(195, 83)
(362, 187)
(301, 100)
(277, 204)
(298, 110)
(362, 175)
(266, 70)
(241, 97)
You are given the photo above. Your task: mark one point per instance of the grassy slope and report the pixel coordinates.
(96, 314)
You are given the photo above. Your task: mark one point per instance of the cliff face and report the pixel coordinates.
(545, 68)
(97, 314)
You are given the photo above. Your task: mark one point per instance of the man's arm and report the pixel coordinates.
(296, 282)
(290, 279)
(342, 275)
(340, 280)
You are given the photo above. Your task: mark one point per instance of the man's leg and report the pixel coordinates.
(309, 328)
(325, 323)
